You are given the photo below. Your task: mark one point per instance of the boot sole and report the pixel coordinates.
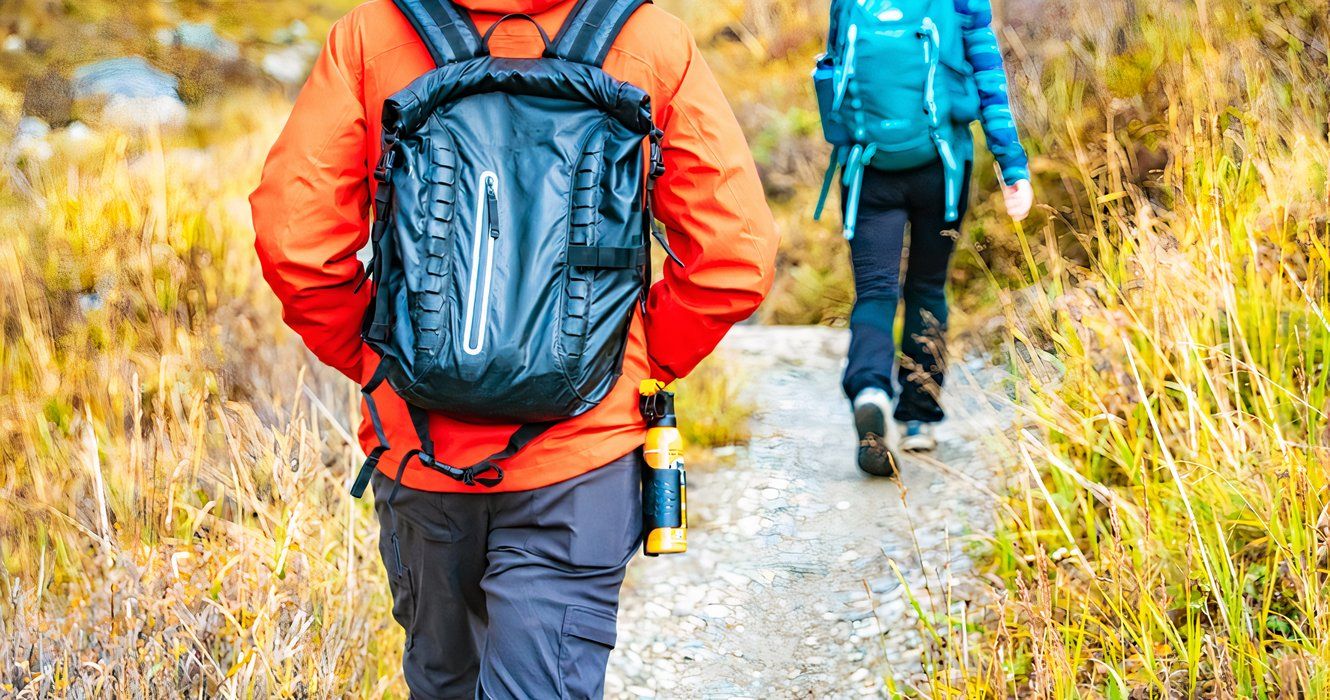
(875, 455)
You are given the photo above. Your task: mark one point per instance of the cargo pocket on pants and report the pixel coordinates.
(587, 638)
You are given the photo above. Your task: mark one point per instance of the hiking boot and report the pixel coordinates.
(877, 438)
(917, 436)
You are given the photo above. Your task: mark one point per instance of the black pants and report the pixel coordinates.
(511, 595)
(889, 202)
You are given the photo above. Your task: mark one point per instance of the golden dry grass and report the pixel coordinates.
(1166, 534)
(173, 517)
(171, 462)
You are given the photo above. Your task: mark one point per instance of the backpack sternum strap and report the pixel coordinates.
(447, 30)
(591, 28)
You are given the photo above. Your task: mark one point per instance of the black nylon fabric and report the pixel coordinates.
(498, 168)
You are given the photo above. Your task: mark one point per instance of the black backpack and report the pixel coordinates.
(512, 229)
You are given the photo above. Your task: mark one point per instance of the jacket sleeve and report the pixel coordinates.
(983, 54)
(716, 218)
(311, 208)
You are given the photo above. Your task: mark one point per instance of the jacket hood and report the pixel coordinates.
(507, 7)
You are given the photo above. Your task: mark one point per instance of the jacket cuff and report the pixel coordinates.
(1012, 173)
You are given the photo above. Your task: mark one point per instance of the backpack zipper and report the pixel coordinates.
(484, 237)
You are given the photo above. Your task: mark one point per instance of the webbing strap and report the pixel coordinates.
(952, 174)
(853, 179)
(832, 164)
(446, 29)
(474, 474)
(591, 28)
(838, 9)
(420, 421)
(520, 438)
(606, 257)
(372, 460)
(368, 391)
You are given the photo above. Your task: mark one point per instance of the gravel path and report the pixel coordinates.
(787, 538)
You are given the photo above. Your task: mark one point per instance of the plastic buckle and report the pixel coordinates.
(657, 154)
(447, 470)
(386, 163)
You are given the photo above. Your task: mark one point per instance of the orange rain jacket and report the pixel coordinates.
(311, 216)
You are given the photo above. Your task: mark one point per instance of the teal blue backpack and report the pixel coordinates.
(895, 92)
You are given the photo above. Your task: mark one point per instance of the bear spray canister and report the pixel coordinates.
(664, 502)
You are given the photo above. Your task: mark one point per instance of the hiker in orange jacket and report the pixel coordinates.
(514, 587)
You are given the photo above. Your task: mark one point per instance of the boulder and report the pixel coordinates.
(134, 95)
(201, 37)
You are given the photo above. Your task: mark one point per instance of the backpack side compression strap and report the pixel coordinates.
(591, 28)
(446, 29)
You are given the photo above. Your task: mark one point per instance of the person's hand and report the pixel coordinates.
(1019, 197)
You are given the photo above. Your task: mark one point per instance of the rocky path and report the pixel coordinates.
(788, 589)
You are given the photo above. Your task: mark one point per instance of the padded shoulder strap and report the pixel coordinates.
(591, 28)
(834, 26)
(446, 29)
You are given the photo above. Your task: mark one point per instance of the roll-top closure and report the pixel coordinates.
(405, 111)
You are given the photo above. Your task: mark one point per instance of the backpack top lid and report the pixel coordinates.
(586, 36)
(406, 110)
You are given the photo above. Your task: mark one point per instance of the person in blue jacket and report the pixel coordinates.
(888, 202)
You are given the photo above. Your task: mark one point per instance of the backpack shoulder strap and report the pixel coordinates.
(591, 28)
(446, 29)
(833, 26)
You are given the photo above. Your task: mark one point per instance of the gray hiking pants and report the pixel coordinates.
(511, 595)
